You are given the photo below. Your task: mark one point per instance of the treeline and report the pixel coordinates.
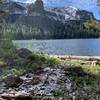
(22, 32)
(72, 29)
(78, 29)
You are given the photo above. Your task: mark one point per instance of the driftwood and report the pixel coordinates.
(90, 60)
(15, 96)
(65, 57)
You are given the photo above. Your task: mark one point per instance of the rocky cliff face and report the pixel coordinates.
(57, 14)
(13, 7)
(69, 13)
(37, 7)
(62, 14)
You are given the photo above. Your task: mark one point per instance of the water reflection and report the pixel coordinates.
(82, 47)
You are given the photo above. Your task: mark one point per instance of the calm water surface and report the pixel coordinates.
(79, 47)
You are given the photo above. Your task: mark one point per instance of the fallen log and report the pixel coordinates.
(16, 96)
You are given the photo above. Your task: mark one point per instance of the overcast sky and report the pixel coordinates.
(89, 5)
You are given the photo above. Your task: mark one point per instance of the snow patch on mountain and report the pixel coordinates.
(63, 13)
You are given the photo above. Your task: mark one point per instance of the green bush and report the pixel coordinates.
(7, 48)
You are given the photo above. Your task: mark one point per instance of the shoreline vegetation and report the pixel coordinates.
(26, 75)
(24, 32)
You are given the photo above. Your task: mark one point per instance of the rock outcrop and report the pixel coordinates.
(37, 7)
(53, 83)
(23, 53)
(12, 81)
(43, 85)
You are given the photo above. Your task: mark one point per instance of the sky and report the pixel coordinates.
(89, 5)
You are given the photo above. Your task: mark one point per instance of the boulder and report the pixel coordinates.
(12, 81)
(36, 80)
(75, 70)
(23, 53)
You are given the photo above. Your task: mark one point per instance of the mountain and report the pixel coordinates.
(61, 22)
(69, 13)
(61, 13)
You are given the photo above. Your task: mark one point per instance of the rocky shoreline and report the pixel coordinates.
(42, 85)
(44, 80)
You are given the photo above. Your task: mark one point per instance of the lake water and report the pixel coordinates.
(79, 47)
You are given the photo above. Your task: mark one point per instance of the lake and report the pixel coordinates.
(79, 47)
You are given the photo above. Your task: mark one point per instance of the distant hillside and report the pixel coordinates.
(64, 22)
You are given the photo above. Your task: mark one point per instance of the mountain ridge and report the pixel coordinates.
(69, 11)
(54, 22)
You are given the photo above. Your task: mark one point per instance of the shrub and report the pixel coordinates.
(6, 48)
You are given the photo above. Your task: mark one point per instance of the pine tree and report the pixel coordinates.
(2, 15)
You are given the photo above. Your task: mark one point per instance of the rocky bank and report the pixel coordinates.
(47, 81)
